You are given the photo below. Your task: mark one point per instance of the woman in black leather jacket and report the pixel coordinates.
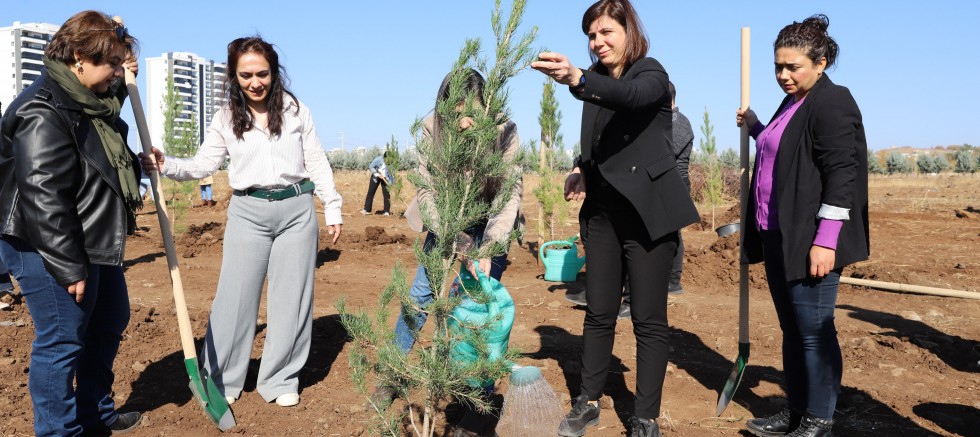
(68, 195)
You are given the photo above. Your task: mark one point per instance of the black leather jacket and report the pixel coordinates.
(58, 192)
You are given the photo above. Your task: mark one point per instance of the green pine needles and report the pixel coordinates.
(550, 192)
(457, 164)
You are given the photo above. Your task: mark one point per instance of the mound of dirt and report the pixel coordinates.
(372, 236)
(722, 217)
(201, 239)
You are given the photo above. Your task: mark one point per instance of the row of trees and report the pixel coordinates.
(965, 160)
(528, 158)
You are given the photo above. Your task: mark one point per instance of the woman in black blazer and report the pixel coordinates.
(808, 219)
(636, 203)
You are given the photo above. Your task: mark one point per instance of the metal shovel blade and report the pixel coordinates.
(734, 378)
(209, 397)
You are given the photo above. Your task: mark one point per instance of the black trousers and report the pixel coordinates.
(678, 263)
(618, 244)
(372, 188)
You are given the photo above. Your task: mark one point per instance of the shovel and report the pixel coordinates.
(205, 392)
(742, 359)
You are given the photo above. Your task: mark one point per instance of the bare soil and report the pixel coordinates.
(912, 362)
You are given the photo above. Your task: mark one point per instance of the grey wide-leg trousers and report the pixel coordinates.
(263, 238)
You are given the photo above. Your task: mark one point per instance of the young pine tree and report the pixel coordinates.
(713, 178)
(427, 377)
(180, 139)
(393, 162)
(552, 208)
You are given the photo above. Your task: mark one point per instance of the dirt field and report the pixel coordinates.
(911, 361)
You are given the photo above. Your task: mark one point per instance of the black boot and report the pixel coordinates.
(813, 427)
(778, 424)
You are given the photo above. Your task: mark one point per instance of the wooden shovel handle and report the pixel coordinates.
(183, 319)
(743, 273)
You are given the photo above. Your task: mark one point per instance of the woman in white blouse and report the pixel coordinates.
(276, 163)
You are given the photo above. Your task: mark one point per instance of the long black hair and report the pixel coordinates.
(242, 119)
(473, 84)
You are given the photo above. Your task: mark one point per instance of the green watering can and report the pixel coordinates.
(561, 265)
(492, 320)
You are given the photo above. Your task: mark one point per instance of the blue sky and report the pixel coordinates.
(368, 68)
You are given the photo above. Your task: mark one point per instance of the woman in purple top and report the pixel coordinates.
(808, 218)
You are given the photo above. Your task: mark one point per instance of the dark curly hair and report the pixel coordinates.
(242, 120)
(811, 38)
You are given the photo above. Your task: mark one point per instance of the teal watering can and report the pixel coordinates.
(561, 265)
(492, 320)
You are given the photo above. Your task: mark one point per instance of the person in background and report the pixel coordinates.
(379, 176)
(68, 195)
(807, 220)
(635, 202)
(683, 141)
(206, 191)
(276, 164)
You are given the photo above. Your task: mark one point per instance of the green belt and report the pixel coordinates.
(305, 186)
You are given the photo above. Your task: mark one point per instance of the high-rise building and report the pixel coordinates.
(23, 45)
(199, 83)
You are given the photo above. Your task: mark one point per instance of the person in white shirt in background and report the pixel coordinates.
(276, 164)
(379, 176)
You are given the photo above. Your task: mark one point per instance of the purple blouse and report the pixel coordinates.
(766, 207)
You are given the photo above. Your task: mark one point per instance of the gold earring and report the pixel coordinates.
(78, 66)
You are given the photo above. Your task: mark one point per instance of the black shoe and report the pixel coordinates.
(126, 422)
(778, 424)
(583, 414)
(813, 427)
(675, 288)
(475, 424)
(577, 298)
(624, 312)
(643, 427)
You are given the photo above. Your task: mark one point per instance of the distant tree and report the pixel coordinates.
(729, 159)
(409, 160)
(926, 164)
(964, 161)
(713, 186)
(874, 164)
(940, 163)
(528, 156)
(897, 163)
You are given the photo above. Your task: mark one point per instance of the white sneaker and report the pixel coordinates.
(288, 400)
(230, 399)
(363, 212)
(386, 214)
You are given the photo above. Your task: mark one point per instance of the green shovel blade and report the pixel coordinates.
(734, 378)
(208, 396)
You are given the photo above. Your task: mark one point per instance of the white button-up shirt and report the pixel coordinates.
(259, 160)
